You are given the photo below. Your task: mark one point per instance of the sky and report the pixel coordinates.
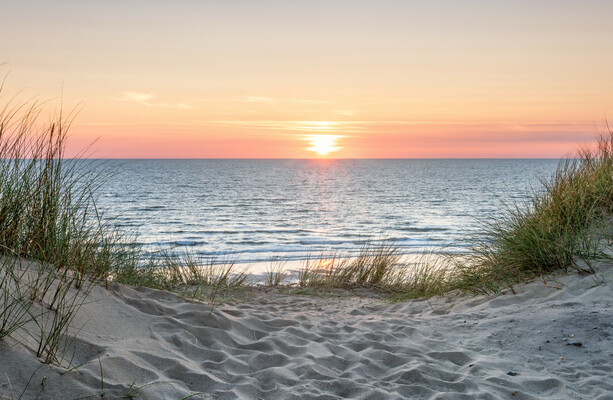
(302, 79)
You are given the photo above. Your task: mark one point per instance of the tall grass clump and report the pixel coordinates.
(47, 214)
(47, 210)
(375, 266)
(188, 274)
(14, 300)
(276, 273)
(559, 225)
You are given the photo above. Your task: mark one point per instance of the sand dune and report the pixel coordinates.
(541, 343)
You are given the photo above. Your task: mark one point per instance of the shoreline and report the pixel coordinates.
(259, 270)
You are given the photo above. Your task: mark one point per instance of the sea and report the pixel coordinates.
(255, 211)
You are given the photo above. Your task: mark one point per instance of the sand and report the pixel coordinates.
(540, 343)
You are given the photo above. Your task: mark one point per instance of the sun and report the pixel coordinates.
(323, 144)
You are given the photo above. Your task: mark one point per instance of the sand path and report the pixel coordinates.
(541, 343)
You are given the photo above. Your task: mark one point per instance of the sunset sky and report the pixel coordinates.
(266, 79)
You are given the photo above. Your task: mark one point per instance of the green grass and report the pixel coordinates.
(374, 266)
(47, 214)
(276, 273)
(561, 228)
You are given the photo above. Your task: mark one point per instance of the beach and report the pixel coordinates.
(543, 342)
(306, 200)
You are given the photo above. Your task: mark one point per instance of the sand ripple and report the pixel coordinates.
(307, 348)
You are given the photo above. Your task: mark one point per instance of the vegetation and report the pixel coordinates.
(375, 266)
(46, 214)
(563, 227)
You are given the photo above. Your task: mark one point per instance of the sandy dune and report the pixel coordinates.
(541, 343)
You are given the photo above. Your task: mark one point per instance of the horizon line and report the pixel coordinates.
(316, 158)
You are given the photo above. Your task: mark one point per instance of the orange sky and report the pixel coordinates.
(217, 79)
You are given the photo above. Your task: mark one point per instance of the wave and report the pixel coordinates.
(150, 208)
(189, 243)
(427, 229)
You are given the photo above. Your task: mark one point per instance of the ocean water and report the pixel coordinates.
(252, 210)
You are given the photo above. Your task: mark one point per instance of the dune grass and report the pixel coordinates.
(47, 214)
(564, 226)
(47, 208)
(374, 266)
(561, 228)
(276, 272)
(180, 271)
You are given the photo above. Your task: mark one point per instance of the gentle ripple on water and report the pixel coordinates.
(253, 209)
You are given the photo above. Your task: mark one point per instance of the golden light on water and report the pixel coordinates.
(323, 144)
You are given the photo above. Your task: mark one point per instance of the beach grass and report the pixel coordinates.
(561, 228)
(276, 272)
(47, 214)
(375, 265)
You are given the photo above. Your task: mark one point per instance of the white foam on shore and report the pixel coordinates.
(290, 347)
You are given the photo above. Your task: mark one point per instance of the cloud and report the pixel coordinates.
(147, 99)
(441, 131)
(310, 101)
(292, 127)
(258, 99)
(264, 99)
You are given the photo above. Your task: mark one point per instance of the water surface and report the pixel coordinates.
(254, 209)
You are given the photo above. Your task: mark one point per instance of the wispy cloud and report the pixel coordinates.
(149, 100)
(293, 127)
(311, 101)
(258, 99)
(265, 99)
(487, 131)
